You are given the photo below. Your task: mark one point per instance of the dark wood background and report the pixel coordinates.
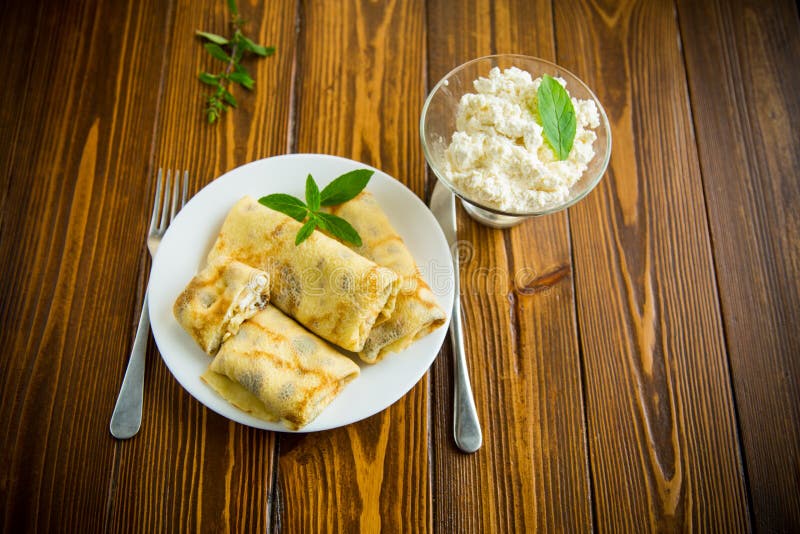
(640, 370)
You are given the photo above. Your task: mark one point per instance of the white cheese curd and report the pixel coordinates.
(498, 155)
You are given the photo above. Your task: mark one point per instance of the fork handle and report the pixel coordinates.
(127, 416)
(466, 427)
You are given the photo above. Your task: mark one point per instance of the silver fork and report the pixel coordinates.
(127, 416)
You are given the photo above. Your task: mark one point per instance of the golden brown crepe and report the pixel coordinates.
(325, 286)
(276, 370)
(416, 313)
(216, 301)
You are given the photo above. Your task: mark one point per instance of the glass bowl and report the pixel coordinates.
(438, 123)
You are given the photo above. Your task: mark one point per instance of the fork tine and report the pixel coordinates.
(165, 210)
(176, 187)
(156, 203)
(185, 188)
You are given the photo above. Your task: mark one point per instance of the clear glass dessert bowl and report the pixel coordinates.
(438, 123)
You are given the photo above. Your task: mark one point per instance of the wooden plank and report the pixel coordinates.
(360, 88)
(190, 468)
(75, 151)
(19, 30)
(662, 430)
(744, 81)
(532, 471)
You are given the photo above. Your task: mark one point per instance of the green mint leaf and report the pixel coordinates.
(345, 187)
(557, 114)
(242, 78)
(255, 48)
(244, 42)
(339, 228)
(291, 206)
(229, 98)
(229, 50)
(214, 109)
(213, 37)
(207, 78)
(312, 194)
(306, 231)
(216, 52)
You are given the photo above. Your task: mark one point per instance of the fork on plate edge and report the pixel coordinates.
(127, 416)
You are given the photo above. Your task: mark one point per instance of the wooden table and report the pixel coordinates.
(640, 371)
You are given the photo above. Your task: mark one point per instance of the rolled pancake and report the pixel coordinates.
(417, 312)
(216, 301)
(276, 370)
(324, 285)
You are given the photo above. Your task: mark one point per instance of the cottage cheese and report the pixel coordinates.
(498, 155)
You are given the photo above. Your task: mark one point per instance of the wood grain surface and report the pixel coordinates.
(747, 116)
(521, 337)
(634, 360)
(661, 420)
(74, 151)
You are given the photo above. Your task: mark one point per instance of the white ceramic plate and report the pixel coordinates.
(187, 242)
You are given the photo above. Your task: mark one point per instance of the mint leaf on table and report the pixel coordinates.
(242, 78)
(208, 79)
(557, 116)
(257, 49)
(230, 51)
(345, 187)
(342, 189)
(228, 97)
(213, 37)
(216, 52)
(234, 9)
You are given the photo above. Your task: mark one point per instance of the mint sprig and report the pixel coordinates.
(338, 227)
(229, 51)
(557, 116)
(340, 190)
(345, 187)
